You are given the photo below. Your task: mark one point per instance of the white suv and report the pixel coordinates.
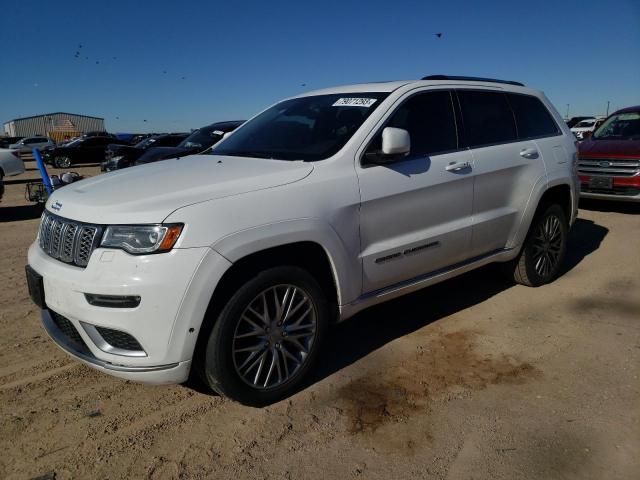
(233, 265)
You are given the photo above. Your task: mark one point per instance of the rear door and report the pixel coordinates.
(506, 168)
(416, 212)
(89, 151)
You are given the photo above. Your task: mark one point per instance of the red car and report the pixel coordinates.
(609, 160)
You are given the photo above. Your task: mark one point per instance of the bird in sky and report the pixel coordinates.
(439, 35)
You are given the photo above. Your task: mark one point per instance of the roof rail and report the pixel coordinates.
(476, 79)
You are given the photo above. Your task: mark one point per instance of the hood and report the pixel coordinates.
(627, 148)
(149, 193)
(158, 153)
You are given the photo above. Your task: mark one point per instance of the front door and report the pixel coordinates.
(416, 213)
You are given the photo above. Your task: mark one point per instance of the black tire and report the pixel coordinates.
(1, 185)
(527, 268)
(219, 365)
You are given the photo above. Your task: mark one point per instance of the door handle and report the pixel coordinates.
(457, 166)
(529, 153)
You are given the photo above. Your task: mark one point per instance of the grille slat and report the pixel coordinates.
(614, 167)
(68, 241)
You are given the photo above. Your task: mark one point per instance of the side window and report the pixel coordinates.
(488, 119)
(430, 121)
(29, 141)
(90, 142)
(532, 117)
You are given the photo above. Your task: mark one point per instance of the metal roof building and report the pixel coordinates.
(56, 124)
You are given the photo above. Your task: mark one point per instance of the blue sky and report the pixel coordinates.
(238, 57)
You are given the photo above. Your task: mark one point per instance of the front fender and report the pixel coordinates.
(345, 264)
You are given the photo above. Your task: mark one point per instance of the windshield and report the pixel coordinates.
(308, 128)
(202, 138)
(74, 142)
(623, 126)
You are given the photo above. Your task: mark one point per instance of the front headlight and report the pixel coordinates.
(116, 158)
(140, 239)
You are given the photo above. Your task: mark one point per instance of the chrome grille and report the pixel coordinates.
(67, 240)
(611, 167)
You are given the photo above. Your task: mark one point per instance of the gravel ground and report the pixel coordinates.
(473, 378)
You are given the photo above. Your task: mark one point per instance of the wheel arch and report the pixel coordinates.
(308, 254)
(544, 191)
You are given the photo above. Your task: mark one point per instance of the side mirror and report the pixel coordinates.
(586, 135)
(396, 144)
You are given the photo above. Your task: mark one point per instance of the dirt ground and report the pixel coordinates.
(473, 378)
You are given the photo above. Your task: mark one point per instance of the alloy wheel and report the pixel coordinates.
(63, 162)
(274, 336)
(547, 246)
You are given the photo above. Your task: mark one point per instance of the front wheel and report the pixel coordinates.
(544, 249)
(267, 337)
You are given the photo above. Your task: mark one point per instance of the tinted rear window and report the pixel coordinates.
(532, 117)
(487, 118)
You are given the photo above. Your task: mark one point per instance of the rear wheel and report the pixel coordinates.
(62, 162)
(267, 337)
(544, 249)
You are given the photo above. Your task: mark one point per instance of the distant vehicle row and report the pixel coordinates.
(166, 146)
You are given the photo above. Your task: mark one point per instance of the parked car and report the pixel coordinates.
(233, 265)
(80, 150)
(575, 120)
(5, 142)
(26, 145)
(584, 127)
(609, 160)
(98, 133)
(10, 164)
(197, 142)
(139, 137)
(123, 156)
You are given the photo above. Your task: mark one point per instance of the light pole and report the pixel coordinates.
(567, 115)
(607, 109)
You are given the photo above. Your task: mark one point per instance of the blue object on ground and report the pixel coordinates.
(43, 171)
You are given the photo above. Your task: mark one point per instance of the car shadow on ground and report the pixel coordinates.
(377, 326)
(631, 208)
(19, 213)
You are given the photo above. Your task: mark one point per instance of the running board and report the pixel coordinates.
(407, 286)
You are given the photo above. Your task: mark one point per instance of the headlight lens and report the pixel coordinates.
(139, 239)
(116, 158)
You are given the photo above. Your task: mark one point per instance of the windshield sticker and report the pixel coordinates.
(355, 102)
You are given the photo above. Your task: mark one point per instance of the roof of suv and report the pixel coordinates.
(394, 85)
(629, 109)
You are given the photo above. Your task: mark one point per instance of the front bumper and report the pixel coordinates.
(611, 196)
(174, 287)
(160, 374)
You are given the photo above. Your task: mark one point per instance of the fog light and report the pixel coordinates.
(112, 301)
